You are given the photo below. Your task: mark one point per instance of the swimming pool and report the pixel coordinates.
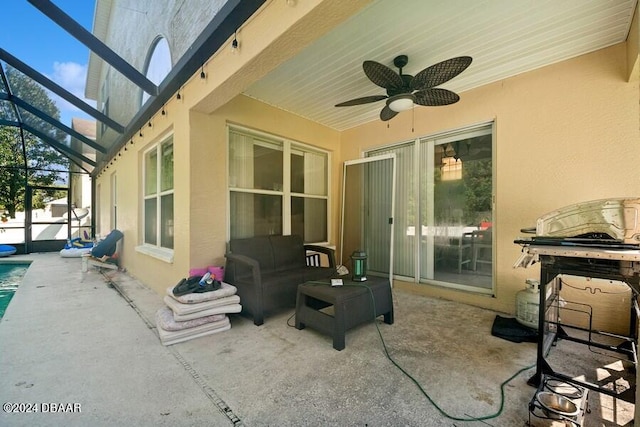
(10, 277)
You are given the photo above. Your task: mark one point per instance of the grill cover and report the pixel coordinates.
(617, 219)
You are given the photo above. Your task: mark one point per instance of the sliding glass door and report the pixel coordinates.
(444, 217)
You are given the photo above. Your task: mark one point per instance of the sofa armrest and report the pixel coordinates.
(248, 262)
(329, 252)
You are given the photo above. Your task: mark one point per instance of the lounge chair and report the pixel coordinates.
(103, 254)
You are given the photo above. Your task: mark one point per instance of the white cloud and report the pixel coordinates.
(72, 77)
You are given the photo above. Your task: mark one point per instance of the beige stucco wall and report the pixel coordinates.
(200, 182)
(210, 197)
(200, 224)
(565, 133)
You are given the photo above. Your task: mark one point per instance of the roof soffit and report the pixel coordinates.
(101, 18)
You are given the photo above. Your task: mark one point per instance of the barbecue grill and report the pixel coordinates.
(595, 239)
(599, 239)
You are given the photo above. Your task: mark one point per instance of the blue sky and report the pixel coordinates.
(36, 40)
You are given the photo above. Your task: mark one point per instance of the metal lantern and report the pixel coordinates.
(359, 262)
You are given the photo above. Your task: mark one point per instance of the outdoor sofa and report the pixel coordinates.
(267, 270)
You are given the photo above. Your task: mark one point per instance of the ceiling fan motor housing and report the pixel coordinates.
(406, 87)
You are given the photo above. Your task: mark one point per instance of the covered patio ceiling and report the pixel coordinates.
(504, 38)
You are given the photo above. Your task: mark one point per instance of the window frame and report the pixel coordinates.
(288, 147)
(152, 66)
(156, 250)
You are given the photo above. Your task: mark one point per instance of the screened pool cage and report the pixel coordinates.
(47, 190)
(45, 184)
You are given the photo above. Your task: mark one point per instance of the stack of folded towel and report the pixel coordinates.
(196, 314)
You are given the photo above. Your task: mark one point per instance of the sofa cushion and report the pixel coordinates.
(258, 248)
(282, 278)
(288, 252)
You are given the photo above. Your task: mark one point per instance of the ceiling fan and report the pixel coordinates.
(404, 90)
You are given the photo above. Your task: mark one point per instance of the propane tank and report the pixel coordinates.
(528, 304)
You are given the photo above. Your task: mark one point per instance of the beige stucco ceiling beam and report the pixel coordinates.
(272, 36)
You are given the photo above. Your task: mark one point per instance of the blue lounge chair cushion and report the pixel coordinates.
(108, 245)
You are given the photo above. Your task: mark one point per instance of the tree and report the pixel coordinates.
(15, 171)
(477, 178)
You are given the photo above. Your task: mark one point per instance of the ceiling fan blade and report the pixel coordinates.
(382, 75)
(363, 100)
(435, 97)
(387, 113)
(439, 73)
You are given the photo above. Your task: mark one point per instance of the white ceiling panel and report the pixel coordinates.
(504, 37)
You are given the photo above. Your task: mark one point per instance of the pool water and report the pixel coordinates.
(10, 277)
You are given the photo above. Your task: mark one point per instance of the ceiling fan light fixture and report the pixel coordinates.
(401, 103)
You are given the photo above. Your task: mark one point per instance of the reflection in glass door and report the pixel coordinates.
(456, 209)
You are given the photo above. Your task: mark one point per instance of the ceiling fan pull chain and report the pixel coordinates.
(413, 119)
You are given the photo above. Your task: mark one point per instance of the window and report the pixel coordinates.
(158, 195)
(451, 169)
(277, 186)
(444, 209)
(158, 64)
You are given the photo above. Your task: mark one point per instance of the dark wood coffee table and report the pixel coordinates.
(352, 305)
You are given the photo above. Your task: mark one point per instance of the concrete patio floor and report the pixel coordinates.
(89, 340)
